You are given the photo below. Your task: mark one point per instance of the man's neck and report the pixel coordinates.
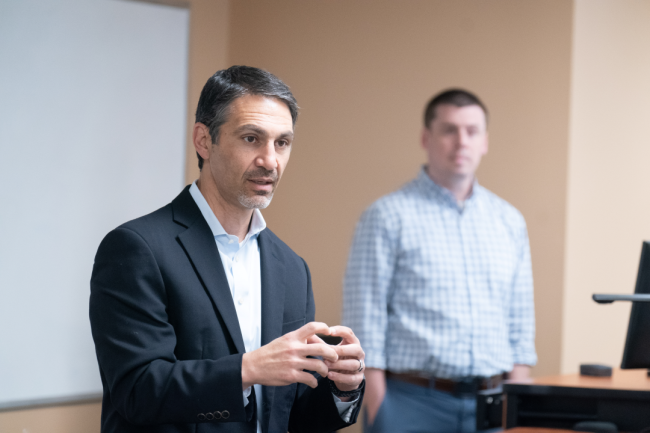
(460, 186)
(234, 220)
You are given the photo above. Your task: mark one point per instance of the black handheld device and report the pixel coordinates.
(330, 339)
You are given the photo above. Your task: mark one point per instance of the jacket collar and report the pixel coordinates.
(199, 245)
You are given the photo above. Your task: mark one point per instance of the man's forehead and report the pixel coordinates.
(467, 114)
(260, 107)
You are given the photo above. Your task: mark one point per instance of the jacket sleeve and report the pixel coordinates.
(135, 343)
(314, 410)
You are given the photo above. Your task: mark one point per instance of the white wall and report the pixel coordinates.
(92, 133)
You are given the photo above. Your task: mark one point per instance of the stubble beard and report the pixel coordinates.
(260, 199)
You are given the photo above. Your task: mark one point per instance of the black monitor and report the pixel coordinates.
(637, 343)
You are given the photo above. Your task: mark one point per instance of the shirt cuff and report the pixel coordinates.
(525, 358)
(375, 359)
(345, 408)
(247, 393)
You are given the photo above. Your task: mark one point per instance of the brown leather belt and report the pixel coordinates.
(468, 385)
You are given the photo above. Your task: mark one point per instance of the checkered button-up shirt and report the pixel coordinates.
(439, 287)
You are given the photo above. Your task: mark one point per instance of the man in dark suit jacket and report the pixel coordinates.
(176, 352)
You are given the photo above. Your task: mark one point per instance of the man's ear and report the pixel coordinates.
(201, 139)
(424, 138)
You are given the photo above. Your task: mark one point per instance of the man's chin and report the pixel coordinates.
(255, 201)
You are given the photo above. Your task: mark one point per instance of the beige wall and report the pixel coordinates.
(79, 418)
(608, 210)
(209, 31)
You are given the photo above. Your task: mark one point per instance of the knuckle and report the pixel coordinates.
(293, 348)
(293, 376)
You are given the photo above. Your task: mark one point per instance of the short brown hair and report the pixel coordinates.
(456, 97)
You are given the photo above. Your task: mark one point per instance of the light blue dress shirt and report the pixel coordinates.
(441, 287)
(241, 263)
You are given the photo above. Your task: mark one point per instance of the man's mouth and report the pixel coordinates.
(262, 185)
(460, 158)
(263, 182)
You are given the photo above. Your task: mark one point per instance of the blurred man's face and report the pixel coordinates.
(455, 142)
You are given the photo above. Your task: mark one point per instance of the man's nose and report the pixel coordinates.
(463, 138)
(267, 157)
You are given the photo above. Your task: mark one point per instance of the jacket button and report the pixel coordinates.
(225, 414)
(217, 414)
(201, 417)
(209, 416)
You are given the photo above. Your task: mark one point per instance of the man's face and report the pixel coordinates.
(252, 151)
(455, 142)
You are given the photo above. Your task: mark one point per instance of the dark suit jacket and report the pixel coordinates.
(167, 336)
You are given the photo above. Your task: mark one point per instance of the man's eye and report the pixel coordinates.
(249, 139)
(283, 143)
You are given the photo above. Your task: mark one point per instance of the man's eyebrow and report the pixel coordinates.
(288, 134)
(250, 127)
(462, 125)
(260, 131)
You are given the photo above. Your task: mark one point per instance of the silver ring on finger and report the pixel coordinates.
(360, 365)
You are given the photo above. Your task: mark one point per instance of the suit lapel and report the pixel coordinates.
(272, 271)
(273, 285)
(202, 251)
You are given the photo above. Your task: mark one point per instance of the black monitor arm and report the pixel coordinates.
(608, 299)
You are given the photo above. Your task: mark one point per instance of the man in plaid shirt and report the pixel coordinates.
(438, 286)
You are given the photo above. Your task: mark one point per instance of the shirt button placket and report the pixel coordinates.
(469, 283)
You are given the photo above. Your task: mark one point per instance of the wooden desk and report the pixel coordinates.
(562, 401)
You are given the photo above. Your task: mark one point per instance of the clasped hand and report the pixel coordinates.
(284, 360)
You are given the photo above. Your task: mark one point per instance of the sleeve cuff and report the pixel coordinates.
(247, 393)
(345, 408)
(525, 359)
(375, 360)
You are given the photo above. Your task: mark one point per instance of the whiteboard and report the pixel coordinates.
(92, 134)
